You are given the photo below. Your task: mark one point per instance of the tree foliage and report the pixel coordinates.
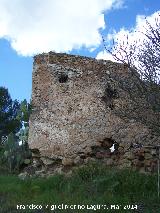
(14, 123)
(24, 112)
(8, 113)
(143, 62)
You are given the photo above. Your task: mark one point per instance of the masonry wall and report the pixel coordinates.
(72, 116)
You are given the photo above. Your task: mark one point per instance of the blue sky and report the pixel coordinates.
(30, 28)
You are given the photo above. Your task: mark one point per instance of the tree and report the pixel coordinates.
(24, 112)
(8, 113)
(149, 57)
(143, 62)
(23, 116)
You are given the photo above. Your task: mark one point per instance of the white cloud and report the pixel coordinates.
(35, 26)
(105, 55)
(136, 35)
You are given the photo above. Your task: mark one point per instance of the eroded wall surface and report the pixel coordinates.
(75, 100)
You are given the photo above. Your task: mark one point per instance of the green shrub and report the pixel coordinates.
(14, 155)
(103, 186)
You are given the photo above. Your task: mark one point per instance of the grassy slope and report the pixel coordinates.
(93, 184)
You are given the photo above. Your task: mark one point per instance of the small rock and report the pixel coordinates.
(40, 172)
(107, 72)
(146, 150)
(147, 162)
(107, 144)
(36, 155)
(153, 152)
(142, 150)
(124, 145)
(147, 156)
(121, 145)
(142, 170)
(140, 154)
(153, 166)
(67, 161)
(58, 170)
(47, 161)
(27, 161)
(125, 164)
(121, 150)
(69, 174)
(23, 175)
(89, 160)
(105, 154)
(128, 155)
(30, 170)
(78, 160)
(36, 163)
(88, 150)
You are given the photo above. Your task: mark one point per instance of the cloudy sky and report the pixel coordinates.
(31, 27)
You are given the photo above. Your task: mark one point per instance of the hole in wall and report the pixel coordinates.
(63, 78)
(35, 151)
(105, 149)
(109, 95)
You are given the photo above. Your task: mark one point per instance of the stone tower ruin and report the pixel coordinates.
(74, 101)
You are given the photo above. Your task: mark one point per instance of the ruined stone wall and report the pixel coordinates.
(73, 117)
